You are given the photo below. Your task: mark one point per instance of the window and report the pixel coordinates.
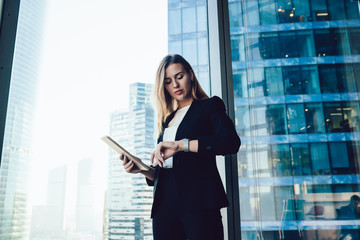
(53, 187)
(297, 82)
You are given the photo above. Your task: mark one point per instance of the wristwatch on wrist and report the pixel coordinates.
(186, 145)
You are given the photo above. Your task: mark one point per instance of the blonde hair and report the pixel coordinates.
(163, 103)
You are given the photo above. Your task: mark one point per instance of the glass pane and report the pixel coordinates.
(300, 159)
(296, 118)
(314, 115)
(189, 51)
(334, 117)
(252, 10)
(280, 160)
(173, 26)
(235, 13)
(201, 18)
(240, 83)
(267, 11)
(237, 48)
(192, 44)
(188, 20)
(275, 116)
(319, 158)
(299, 163)
(274, 85)
(287, 46)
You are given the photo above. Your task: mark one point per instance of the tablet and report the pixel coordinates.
(119, 149)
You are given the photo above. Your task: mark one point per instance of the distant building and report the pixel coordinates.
(47, 221)
(129, 197)
(84, 209)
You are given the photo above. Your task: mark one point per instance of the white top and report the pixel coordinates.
(170, 131)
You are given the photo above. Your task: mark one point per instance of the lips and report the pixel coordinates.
(178, 92)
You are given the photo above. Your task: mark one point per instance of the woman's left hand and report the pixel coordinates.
(163, 151)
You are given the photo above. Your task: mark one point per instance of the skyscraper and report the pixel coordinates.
(85, 209)
(129, 197)
(47, 221)
(17, 148)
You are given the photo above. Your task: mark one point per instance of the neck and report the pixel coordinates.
(184, 104)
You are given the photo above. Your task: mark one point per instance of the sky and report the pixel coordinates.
(92, 50)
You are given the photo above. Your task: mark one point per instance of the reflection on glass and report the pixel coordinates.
(296, 118)
(266, 8)
(339, 158)
(301, 161)
(314, 116)
(242, 120)
(280, 160)
(237, 48)
(275, 117)
(240, 83)
(319, 159)
(338, 78)
(235, 13)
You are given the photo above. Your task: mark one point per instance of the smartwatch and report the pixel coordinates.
(186, 145)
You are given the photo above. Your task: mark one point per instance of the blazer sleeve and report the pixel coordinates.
(150, 182)
(223, 138)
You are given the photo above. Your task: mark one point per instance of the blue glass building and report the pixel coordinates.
(296, 88)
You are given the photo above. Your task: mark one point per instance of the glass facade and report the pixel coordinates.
(296, 91)
(17, 146)
(188, 35)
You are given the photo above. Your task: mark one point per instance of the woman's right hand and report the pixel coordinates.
(129, 166)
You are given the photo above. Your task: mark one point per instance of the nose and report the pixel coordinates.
(175, 84)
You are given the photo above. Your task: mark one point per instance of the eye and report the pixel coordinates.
(180, 76)
(167, 81)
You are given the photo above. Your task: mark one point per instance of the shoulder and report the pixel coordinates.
(214, 103)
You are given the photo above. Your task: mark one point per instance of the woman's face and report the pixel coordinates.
(178, 84)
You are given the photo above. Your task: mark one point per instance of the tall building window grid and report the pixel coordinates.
(188, 36)
(296, 90)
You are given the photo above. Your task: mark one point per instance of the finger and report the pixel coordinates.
(121, 156)
(158, 155)
(152, 157)
(128, 167)
(125, 161)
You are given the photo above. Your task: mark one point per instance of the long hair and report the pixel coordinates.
(164, 104)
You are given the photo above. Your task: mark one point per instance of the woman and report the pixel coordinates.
(193, 129)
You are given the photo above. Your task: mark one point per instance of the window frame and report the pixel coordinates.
(8, 28)
(221, 84)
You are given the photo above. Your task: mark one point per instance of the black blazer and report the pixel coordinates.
(196, 175)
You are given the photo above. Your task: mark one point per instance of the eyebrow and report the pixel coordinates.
(175, 75)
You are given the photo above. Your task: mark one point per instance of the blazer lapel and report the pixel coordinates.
(165, 124)
(182, 126)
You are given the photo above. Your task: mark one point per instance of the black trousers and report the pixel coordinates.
(172, 222)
